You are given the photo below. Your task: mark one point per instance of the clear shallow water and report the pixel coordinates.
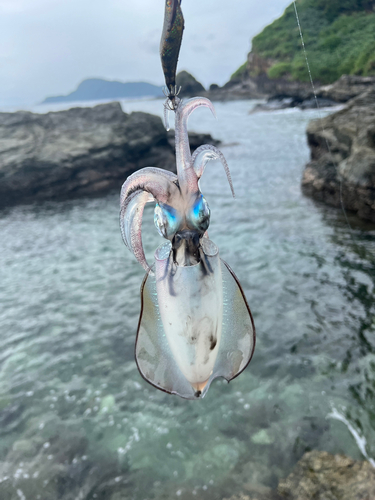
(76, 418)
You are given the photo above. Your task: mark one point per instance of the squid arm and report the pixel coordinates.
(146, 185)
(150, 178)
(203, 155)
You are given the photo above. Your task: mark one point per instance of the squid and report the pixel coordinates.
(195, 324)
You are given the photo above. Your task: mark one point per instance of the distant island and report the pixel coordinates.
(94, 89)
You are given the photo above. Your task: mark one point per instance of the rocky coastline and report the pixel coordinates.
(79, 151)
(289, 93)
(278, 93)
(341, 171)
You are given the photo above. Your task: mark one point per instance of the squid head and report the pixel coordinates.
(195, 324)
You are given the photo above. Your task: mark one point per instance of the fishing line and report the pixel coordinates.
(360, 440)
(320, 118)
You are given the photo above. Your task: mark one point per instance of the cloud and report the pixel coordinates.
(48, 47)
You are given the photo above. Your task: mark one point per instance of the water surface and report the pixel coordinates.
(76, 418)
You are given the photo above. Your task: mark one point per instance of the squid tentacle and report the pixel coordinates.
(166, 115)
(184, 110)
(203, 155)
(146, 185)
(131, 224)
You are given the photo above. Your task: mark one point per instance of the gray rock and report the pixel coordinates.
(281, 102)
(323, 102)
(342, 166)
(257, 85)
(79, 152)
(322, 476)
(235, 90)
(347, 87)
(214, 86)
(189, 85)
(319, 476)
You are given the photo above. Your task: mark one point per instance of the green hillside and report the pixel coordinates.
(339, 36)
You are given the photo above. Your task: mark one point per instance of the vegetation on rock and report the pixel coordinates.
(339, 36)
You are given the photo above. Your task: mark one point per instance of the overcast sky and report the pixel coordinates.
(47, 47)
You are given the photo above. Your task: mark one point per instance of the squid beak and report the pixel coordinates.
(185, 248)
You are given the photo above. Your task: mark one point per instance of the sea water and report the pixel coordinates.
(76, 418)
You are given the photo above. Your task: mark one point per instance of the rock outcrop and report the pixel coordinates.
(289, 93)
(80, 151)
(347, 87)
(254, 82)
(342, 167)
(190, 87)
(322, 476)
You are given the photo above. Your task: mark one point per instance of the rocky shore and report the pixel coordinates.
(279, 93)
(282, 93)
(322, 476)
(80, 151)
(342, 167)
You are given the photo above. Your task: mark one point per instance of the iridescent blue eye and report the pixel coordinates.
(199, 216)
(166, 220)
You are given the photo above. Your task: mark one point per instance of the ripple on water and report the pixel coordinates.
(77, 420)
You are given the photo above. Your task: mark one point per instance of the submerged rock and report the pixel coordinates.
(322, 476)
(262, 437)
(342, 167)
(79, 151)
(319, 476)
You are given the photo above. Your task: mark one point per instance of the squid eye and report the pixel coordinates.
(165, 219)
(200, 214)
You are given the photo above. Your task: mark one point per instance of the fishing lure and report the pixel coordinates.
(170, 45)
(170, 42)
(195, 324)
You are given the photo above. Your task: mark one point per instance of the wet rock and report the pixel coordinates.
(318, 476)
(274, 105)
(347, 87)
(235, 90)
(312, 103)
(79, 151)
(322, 476)
(189, 85)
(342, 166)
(281, 102)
